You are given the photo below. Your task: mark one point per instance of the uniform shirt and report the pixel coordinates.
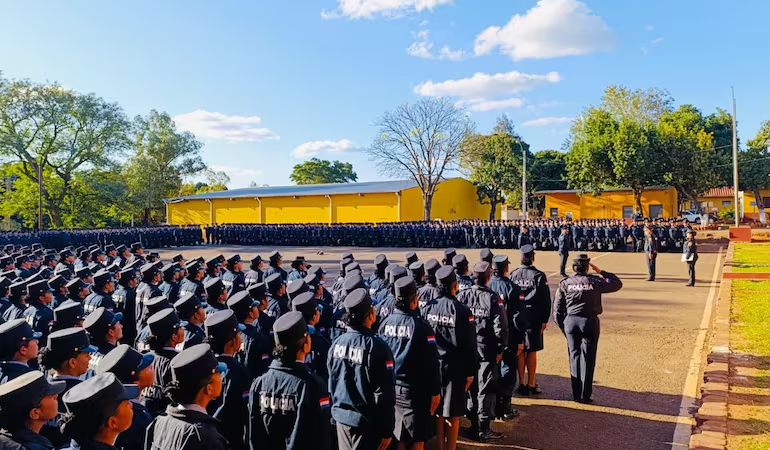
(289, 409)
(277, 306)
(532, 298)
(505, 288)
(255, 350)
(563, 244)
(51, 429)
(581, 295)
(24, 439)
(96, 358)
(376, 284)
(362, 382)
(317, 358)
(214, 307)
(40, 318)
(144, 292)
(12, 369)
(133, 438)
(58, 299)
(650, 245)
(156, 400)
(231, 408)
(689, 248)
(464, 282)
(253, 276)
(234, 282)
(271, 270)
(98, 299)
(455, 331)
(125, 303)
(296, 275)
(415, 357)
(427, 293)
(193, 335)
(14, 311)
(185, 429)
(491, 322)
(170, 290)
(195, 287)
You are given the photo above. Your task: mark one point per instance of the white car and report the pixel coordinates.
(693, 216)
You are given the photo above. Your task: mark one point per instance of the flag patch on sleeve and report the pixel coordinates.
(324, 402)
(389, 365)
(431, 339)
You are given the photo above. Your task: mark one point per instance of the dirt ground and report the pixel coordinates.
(648, 334)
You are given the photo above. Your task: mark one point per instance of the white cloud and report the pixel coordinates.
(653, 43)
(315, 147)
(237, 171)
(656, 41)
(451, 55)
(551, 29)
(491, 105)
(214, 125)
(649, 28)
(548, 121)
(369, 9)
(423, 48)
(482, 86)
(424, 23)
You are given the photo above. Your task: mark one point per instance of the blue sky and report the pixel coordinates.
(268, 84)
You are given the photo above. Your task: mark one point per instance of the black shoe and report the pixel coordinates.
(564, 275)
(535, 390)
(489, 435)
(649, 279)
(586, 401)
(522, 389)
(470, 433)
(507, 414)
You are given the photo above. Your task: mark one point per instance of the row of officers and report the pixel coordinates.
(151, 237)
(270, 359)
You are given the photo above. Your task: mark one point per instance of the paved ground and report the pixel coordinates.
(649, 332)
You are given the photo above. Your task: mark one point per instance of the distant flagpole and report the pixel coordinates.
(737, 207)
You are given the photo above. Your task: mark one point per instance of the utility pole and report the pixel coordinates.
(40, 195)
(523, 181)
(737, 207)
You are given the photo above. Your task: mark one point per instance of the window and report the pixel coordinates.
(628, 212)
(554, 212)
(726, 203)
(656, 211)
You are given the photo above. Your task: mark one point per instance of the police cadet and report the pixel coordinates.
(418, 377)
(131, 367)
(125, 303)
(254, 354)
(255, 274)
(289, 406)
(416, 271)
(576, 307)
(167, 332)
(505, 288)
(460, 264)
(492, 338)
(146, 290)
(191, 310)
(154, 305)
(26, 404)
(455, 335)
(170, 287)
(532, 313)
(233, 278)
(102, 292)
(216, 294)
(385, 306)
(316, 359)
(690, 255)
(105, 330)
(39, 314)
(563, 247)
(411, 257)
(275, 266)
(212, 270)
(264, 323)
(361, 380)
(299, 270)
(378, 281)
(196, 381)
(276, 288)
(430, 290)
(650, 252)
(193, 283)
(18, 301)
(223, 334)
(337, 286)
(69, 314)
(449, 255)
(18, 346)
(59, 285)
(99, 410)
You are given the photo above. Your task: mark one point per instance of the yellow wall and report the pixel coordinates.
(188, 212)
(309, 209)
(752, 212)
(379, 207)
(609, 204)
(237, 210)
(709, 203)
(454, 199)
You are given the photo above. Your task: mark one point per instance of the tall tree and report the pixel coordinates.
(420, 141)
(548, 169)
(319, 171)
(754, 167)
(504, 125)
(162, 157)
(493, 163)
(720, 126)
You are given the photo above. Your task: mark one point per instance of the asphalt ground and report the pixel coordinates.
(648, 350)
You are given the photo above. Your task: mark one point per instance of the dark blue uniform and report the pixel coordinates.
(234, 282)
(255, 350)
(231, 407)
(40, 318)
(563, 243)
(651, 255)
(193, 335)
(185, 429)
(133, 438)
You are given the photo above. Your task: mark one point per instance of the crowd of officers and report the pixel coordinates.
(151, 237)
(104, 348)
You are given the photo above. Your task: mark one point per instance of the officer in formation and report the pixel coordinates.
(107, 239)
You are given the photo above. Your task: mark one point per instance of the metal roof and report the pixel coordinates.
(575, 191)
(303, 190)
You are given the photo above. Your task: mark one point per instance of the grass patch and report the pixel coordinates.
(751, 316)
(753, 257)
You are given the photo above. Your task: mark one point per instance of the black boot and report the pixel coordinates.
(486, 434)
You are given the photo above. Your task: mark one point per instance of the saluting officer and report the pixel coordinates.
(26, 404)
(196, 381)
(18, 346)
(361, 380)
(455, 334)
(577, 306)
(650, 252)
(223, 334)
(289, 406)
(190, 310)
(418, 378)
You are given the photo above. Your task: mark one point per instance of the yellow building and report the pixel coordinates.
(610, 204)
(718, 199)
(380, 201)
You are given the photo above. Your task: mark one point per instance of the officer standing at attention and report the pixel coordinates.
(455, 334)
(223, 334)
(316, 360)
(254, 353)
(125, 302)
(563, 242)
(39, 313)
(190, 310)
(275, 266)
(361, 380)
(577, 306)
(26, 404)
(196, 381)
(18, 346)
(418, 377)
(255, 274)
(105, 331)
(650, 252)
(131, 367)
(233, 278)
(289, 406)
(492, 339)
(690, 252)
(166, 333)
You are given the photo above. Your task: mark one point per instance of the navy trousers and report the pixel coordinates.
(582, 339)
(563, 266)
(651, 265)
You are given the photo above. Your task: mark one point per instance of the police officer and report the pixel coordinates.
(504, 287)
(196, 380)
(418, 378)
(690, 255)
(299, 270)
(146, 290)
(154, 305)
(99, 411)
(378, 280)
(455, 335)
(193, 283)
(254, 354)
(69, 314)
(360, 365)
(39, 314)
(18, 347)
(492, 339)
(191, 310)
(102, 292)
(255, 274)
(223, 334)
(650, 252)
(279, 301)
(170, 287)
(125, 303)
(563, 246)
(233, 278)
(26, 404)
(531, 317)
(460, 264)
(275, 266)
(131, 367)
(216, 293)
(430, 290)
(105, 330)
(289, 406)
(167, 332)
(577, 306)
(18, 301)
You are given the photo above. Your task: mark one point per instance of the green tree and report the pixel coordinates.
(320, 171)
(754, 166)
(547, 170)
(720, 126)
(162, 158)
(420, 141)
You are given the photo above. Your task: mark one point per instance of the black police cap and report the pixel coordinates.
(344, 263)
(295, 288)
(432, 266)
(148, 270)
(125, 362)
(97, 397)
(352, 266)
(274, 282)
(459, 261)
(109, 247)
(318, 270)
(177, 258)
(76, 284)
(417, 268)
(38, 288)
(169, 269)
(56, 282)
(256, 260)
(68, 313)
(194, 364)
(121, 248)
(305, 303)
(480, 268)
(348, 256)
(214, 286)
(352, 283)
(70, 340)
(486, 255)
(312, 281)
(16, 332)
(127, 275)
(156, 304)
(582, 257)
(235, 259)
(223, 325)
(164, 323)
(411, 257)
(100, 320)
(5, 283)
(396, 273)
(500, 261)
(258, 291)
(274, 256)
(405, 288)
(17, 395)
(289, 328)
(450, 253)
(212, 263)
(446, 275)
(135, 246)
(187, 304)
(18, 289)
(241, 302)
(358, 302)
(83, 272)
(102, 277)
(526, 249)
(381, 261)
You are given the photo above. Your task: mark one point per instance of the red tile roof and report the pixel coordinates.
(719, 192)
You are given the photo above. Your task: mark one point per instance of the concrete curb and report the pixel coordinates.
(710, 432)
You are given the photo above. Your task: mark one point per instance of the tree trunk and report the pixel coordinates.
(427, 203)
(760, 206)
(638, 199)
(493, 208)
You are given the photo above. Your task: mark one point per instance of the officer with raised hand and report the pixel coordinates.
(18, 347)
(191, 310)
(26, 404)
(492, 339)
(418, 377)
(576, 307)
(196, 380)
(223, 334)
(361, 380)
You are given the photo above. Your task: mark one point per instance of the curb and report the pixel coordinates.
(710, 432)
